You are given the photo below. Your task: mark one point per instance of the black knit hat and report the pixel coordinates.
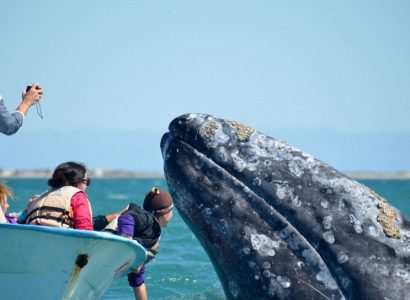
(158, 202)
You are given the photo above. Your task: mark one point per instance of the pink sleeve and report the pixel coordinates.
(82, 212)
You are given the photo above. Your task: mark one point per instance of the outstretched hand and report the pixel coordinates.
(115, 215)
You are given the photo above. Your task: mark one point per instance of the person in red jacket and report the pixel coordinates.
(65, 204)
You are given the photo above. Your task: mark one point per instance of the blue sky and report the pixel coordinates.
(331, 78)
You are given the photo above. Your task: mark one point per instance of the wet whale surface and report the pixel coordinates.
(278, 223)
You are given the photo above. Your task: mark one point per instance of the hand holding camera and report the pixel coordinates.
(33, 93)
(31, 96)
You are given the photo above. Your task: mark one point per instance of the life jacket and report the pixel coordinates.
(53, 208)
(147, 230)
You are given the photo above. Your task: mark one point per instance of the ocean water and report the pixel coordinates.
(182, 269)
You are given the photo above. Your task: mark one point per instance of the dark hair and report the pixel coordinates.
(68, 173)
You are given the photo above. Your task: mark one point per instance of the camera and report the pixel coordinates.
(29, 87)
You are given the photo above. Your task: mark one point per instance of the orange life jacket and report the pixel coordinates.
(53, 208)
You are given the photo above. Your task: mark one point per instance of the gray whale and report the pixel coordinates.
(278, 223)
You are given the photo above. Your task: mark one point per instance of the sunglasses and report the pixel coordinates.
(87, 181)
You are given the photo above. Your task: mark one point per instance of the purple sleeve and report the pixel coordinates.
(11, 219)
(136, 279)
(126, 225)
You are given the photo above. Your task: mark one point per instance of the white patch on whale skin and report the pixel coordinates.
(327, 280)
(373, 231)
(277, 287)
(261, 243)
(267, 163)
(284, 192)
(247, 190)
(311, 259)
(402, 272)
(284, 281)
(357, 225)
(234, 289)
(345, 282)
(405, 249)
(298, 165)
(239, 163)
(328, 237)
(252, 163)
(221, 138)
(256, 181)
(324, 204)
(266, 273)
(327, 222)
(295, 167)
(192, 117)
(281, 192)
(266, 265)
(221, 155)
(207, 211)
(342, 257)
(246, 250)
(296, 202)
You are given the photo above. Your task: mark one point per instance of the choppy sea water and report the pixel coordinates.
(182, 270)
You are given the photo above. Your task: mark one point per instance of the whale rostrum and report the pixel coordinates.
(278, 223)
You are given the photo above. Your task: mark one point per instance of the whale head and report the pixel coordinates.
(278, 223)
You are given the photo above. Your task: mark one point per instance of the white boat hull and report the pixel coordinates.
(38, 262)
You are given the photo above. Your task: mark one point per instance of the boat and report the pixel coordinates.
(40, 262)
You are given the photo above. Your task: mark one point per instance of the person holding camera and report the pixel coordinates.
(11, 122)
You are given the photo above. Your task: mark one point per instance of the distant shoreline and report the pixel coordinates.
(96, 173)
(105, 173)
(403, 175)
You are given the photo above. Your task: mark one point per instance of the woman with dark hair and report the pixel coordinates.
(65, 204)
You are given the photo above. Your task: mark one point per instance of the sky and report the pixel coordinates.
(330, 77)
